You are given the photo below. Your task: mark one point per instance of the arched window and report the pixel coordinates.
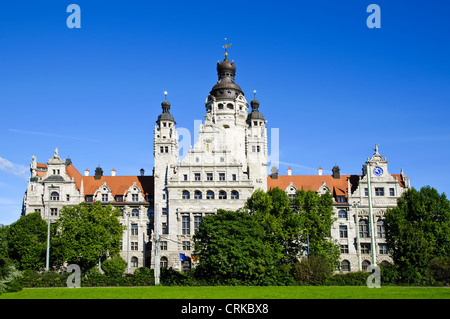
(134, 262)
(220, 106)
(164, 262)
(209, 195)
(380, 229)
(54, 196)
(197, 195)
(230, 106)
(342, 214)
(135, 213)
(186, 195)
(222, 195)
(345, 265)
(363, 228)
(365, 265)
(234, 195)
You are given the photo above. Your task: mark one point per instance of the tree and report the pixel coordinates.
(231, 249)
(418, 230)
(87, 234)
(27, 241)
(282, 226)
(316, 220)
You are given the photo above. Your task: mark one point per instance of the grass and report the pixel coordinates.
(239, 292)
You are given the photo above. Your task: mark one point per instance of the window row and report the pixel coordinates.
(108, 198)
(364, 229)
(379, 191)
(186, 245)
(365, 249)
(210, 177)
(209, 195)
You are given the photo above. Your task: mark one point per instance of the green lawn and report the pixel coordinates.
(295, 292)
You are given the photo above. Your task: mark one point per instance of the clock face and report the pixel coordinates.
(377, 171)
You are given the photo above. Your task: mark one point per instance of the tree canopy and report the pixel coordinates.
(418, 230)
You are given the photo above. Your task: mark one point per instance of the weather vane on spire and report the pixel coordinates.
(226, 46)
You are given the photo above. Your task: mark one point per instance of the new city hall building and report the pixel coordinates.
(225, 166)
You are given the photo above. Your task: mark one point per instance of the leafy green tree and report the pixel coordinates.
(316, 220)
(282, 226)
(9, 276)
(27, 241)
(87, 234)
(418, 230)
(231, 248)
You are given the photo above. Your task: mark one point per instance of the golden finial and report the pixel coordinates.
(226, 46)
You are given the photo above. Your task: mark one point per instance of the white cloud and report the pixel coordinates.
(12, 168)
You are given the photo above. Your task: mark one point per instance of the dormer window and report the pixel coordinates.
(134, 197)
(104, 197)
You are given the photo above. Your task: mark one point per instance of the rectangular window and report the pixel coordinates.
(379, 191)
(134, 197)
(185, 177)
(165, 229)
(391, 192)
(344, 249)
(365, 248)
(54, 211)
(366, 192)
(186, 245)
(119, 198)
(68, 197)
(89, 198)
(163, 245)
(221, 176)
(166, 149)
(134, 229)
(104, 197)
(343, 232)
(197, 220)
(186, 225)
(134, 245)
(161, 149)
(382, 249)
(258, 148)
(340, 199)
(253, 148)
(164, 211)
(209, 176)
(234, 177)
(196, 176)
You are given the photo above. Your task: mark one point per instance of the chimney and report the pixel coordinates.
(319, 170)
(113, 172)
(289, 171)
(142, 171)
(98, 173)
(86, 172)
(336, 172)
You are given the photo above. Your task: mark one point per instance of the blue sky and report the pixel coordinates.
(332, 86)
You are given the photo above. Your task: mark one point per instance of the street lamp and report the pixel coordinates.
(47, 259)
(358, 246)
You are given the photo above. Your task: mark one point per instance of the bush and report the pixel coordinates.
(10, 277)
(358, 278)
(313, 270)
(440, 269)
(114, 267)
(144, 276)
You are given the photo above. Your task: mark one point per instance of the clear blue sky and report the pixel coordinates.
(332, 86)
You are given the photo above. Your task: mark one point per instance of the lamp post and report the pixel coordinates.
(156, 243)
(358, 245)
(47, 259)
(128, 241)
(372, 235)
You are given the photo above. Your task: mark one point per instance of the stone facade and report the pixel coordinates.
(225, 166)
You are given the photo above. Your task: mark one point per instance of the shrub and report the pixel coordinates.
(312, 270)
(358, 278)
(144, 276)
(440, 269)
(10, 277)
(114, 267)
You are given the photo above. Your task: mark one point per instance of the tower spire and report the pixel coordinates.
(226, 46)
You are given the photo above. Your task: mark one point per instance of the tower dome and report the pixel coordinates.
(165, 115)
(225, 87)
